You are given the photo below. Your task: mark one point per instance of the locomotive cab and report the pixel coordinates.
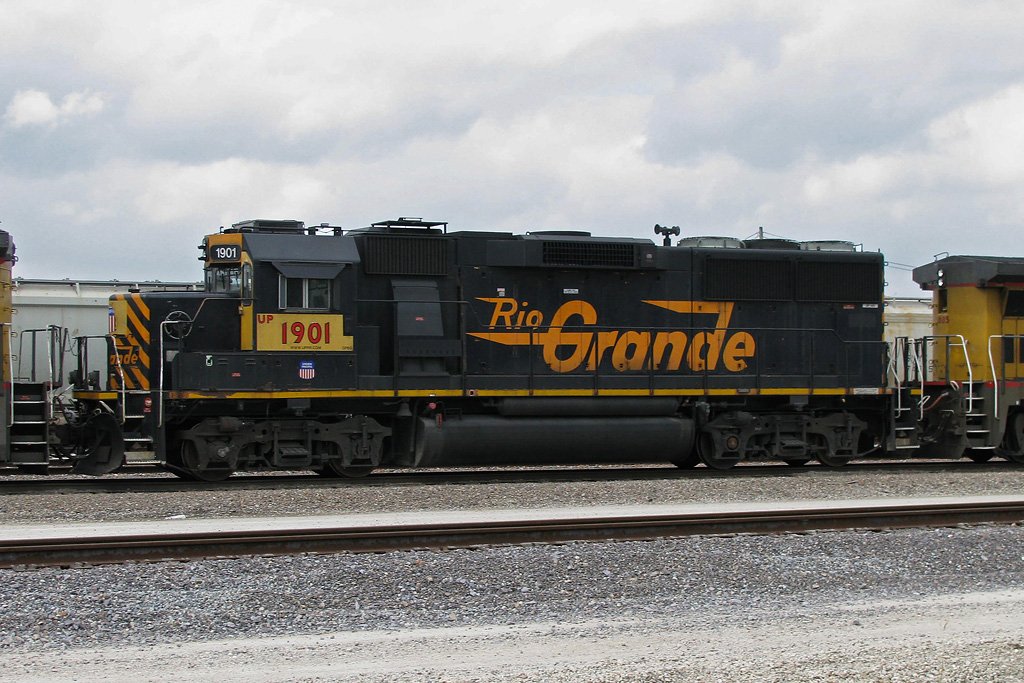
(975, 356)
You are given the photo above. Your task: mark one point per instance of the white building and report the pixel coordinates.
(79, 306)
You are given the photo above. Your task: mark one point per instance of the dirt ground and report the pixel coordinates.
(963, 637)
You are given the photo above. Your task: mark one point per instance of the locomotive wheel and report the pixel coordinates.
(979, 456)
(688, 461)
(824, 452)
(709, 456)
(833, 460)
(827, 456)
(1014, 439)
(333, 469)
(191, 468)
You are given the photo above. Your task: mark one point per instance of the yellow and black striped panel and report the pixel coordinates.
(130, 326)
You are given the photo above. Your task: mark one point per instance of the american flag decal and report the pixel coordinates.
(110, 320)
(306, 369)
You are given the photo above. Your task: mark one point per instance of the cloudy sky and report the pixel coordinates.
(130, 129)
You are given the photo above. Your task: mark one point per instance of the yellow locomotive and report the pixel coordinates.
(972, 363)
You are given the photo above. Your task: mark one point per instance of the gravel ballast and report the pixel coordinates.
(908, 605)
(900, 605)
(820, 484)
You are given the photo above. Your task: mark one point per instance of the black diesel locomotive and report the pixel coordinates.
(405, 345)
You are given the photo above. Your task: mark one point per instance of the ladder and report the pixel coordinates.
(30, 426)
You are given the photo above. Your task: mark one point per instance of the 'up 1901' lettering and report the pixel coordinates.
(567, 345)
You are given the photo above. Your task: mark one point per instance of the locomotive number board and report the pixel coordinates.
(301, 332)
(225, 253)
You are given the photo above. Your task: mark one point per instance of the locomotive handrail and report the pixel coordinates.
(705, 372)
(160, 393)
(967, 361)
(83, 366)
(992, 366)
(904, 351)
(845, 353)
(8, 330)
(120, 380)
(890, 366)
(53, 331)
(896, 348)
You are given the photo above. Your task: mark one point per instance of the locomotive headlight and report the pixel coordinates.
(942, 277)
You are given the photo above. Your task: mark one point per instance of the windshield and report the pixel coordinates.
(227, 280)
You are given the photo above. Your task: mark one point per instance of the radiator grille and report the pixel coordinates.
(839, 282)
(589, 254)
(405, 256)
(775, 280)
(748, 279)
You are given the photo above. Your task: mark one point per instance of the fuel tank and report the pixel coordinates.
(498, 440)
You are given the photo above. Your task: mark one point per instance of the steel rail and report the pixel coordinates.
(161, 482)
(377, 539)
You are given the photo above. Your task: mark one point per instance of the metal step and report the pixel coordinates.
(140, 457)
(31, 440)
(29, 458)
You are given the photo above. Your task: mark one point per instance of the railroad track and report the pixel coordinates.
(76, 549)
(152, 481)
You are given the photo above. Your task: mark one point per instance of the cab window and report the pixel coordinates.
(247, 281)
(305, 293)
(224, 280)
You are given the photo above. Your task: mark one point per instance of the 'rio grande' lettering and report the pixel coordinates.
(567, 345)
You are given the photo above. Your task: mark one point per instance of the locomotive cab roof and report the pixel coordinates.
(267, 225)
(282, 250)
(971, 271)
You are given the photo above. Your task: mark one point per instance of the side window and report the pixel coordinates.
(247, 281)
(305, 293)
(291, 292)
(318, 294)
(1014, 304)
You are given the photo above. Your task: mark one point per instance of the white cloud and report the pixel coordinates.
(892, 125)
(977, 145)
(31, 108)
(35, 108)
(983, 142)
